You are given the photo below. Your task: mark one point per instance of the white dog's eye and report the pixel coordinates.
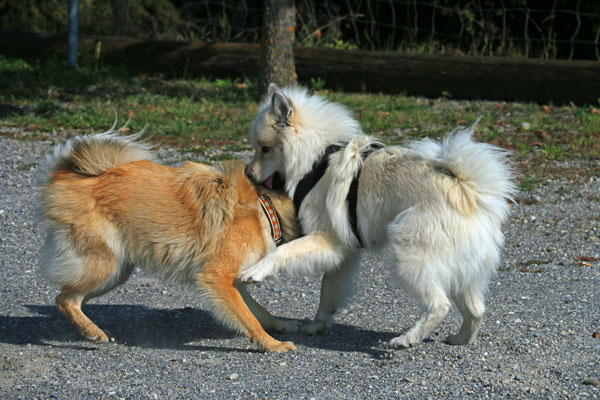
(265, 149)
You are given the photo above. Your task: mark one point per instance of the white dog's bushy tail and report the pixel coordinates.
(95, 154)
(482, 169)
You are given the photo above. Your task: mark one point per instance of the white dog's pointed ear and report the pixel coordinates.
(281, 108)
(272, 88)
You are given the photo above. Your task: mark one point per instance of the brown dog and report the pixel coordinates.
(107, 207)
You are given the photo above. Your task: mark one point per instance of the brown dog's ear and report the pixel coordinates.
(281, 108)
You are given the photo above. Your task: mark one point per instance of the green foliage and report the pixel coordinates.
(528, 183)
(149, 18)
(505, 28)
(213, 117)
(317, 84)
(341, 45)
(34, 15)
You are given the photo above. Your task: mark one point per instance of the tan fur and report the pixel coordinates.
(458, 192)
(190, 224)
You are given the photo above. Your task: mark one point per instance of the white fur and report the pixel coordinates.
(434, 210)
(58, 262)
(336, 126)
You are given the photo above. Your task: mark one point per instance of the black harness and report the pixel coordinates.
(318, 170)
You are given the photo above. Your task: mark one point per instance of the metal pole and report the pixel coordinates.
(73, 32)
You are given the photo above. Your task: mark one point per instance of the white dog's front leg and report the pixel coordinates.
(259, 271)
(308, 255)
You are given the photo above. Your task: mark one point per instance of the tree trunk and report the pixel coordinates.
(277, 55)
(121, 20)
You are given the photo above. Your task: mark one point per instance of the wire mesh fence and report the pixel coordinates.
(560, 29)
(563, 29)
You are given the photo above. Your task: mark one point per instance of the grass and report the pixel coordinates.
(200, 114)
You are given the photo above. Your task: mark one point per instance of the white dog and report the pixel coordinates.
(434, 210)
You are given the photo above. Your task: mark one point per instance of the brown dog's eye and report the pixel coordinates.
(265, 149)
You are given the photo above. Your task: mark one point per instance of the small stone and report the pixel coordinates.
(234, 376)
(408, 380)
(591, 381)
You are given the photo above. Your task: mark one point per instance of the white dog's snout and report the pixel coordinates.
(253, 170)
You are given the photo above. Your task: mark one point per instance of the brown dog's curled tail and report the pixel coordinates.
(95, 154)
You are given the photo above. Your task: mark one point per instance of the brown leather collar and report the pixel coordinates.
(269, 211)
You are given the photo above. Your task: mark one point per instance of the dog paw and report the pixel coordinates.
(256, 273)
(251, 276)
(97, 335)
(317, 327)
(400, 342)
(283, 347)
(280, 326)
(274, 346)
(458, 340)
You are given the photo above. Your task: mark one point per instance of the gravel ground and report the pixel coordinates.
(537, 339)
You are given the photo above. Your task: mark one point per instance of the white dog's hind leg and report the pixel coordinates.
(436, 305)
(336, 289)
(471, 306)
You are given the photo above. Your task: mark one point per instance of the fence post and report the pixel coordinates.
(73, 32)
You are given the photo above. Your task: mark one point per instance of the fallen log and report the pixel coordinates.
(462, 77)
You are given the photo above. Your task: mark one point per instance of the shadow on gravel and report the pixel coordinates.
(140, 326)
(130, 325)
(348, 338)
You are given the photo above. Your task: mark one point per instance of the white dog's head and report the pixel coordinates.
(272, 125)
(291, 131)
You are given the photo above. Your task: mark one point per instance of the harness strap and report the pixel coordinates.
(352, 197)
(269, 211)
(310, 180)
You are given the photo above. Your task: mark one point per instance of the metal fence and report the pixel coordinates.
(549, 29)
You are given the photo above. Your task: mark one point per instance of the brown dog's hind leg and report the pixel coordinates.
(231, 308)
(98, 277)
(69, 303)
